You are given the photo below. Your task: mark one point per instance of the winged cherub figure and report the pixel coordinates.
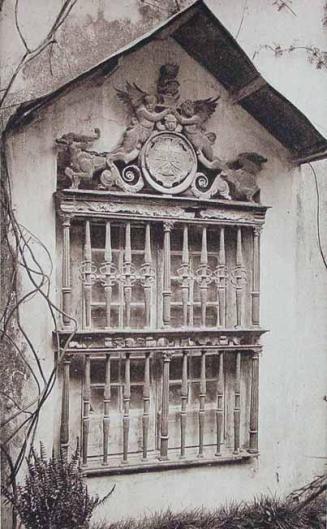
(193, 116)
(141, 107)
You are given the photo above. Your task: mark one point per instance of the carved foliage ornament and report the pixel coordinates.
(164, 149)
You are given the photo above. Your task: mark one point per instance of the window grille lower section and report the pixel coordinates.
(142, 408)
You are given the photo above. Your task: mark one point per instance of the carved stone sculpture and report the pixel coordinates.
(143, 117)
(193, 115)
(168, 85)
(82, 164)
(242, 175)
(168, 162)
(202, 188)
(169, 123)
(130, 180)
(165, 148)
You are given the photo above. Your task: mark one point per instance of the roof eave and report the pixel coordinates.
(217, 50)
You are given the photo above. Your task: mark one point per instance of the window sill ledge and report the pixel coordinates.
(172, 464)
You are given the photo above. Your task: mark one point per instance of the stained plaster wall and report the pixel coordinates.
(294, 308)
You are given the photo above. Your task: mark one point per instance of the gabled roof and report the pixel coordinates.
(204, 38)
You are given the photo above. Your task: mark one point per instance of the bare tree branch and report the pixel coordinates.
(22, 38)
(242, 19)
(281, 4)
(30, 54)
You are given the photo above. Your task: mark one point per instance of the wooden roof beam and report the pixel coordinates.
(247, 90)
(315, 157)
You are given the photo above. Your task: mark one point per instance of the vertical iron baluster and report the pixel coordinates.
(239, 277)
(86, 408)
(237, 404)
(204, 276)
(191, 295)
(106, 409)
(203, 285)
(109, 272)
(146, 405)
(254, 409)
(164, 433)
(126, 402)
(256, 276)
(166, 293)
(120, 278)
(88, 276)
(183, 404)
(221, 280)
(184, 273)
(220, 404)
(202, 397)
(64, 427)
(66, 275)
(128, 274)
(147, 275)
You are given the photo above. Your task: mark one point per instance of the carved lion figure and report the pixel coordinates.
(82, 163)
(241, 175)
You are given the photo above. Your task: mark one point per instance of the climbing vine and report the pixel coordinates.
(21, 257)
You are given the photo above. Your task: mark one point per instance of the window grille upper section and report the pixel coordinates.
(131, 275)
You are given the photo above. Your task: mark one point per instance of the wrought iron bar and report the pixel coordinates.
(256, 277)
(166, 293)
(202, 397)
(147, 275)
(239, 277)
(106, 409)
(220, 404)
(64, 427)
(88, 275)
(204, 276)
(183, 404)
(128, 274)
(86, 408)
(108, 272)
(237, 404)
(254, 408)
(164, 431)
(66, 274)
(185, 276)
(221, 280)
(146, 405)
(126, 403)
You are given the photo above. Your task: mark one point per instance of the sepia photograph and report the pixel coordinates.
(163, 220)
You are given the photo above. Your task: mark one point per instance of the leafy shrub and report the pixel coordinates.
(263, 513)
(54, 494)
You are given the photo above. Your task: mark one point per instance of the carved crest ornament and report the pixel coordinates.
(165, 149)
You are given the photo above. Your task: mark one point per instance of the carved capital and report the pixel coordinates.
(257, 230)
(167, 356)
(65, 219)
(168, 225)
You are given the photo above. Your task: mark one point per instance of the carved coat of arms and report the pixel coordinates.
(165, 148)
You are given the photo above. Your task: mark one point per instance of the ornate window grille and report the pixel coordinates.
(161, 270)
(166, 353)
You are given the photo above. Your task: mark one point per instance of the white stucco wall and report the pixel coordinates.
(294, 307)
